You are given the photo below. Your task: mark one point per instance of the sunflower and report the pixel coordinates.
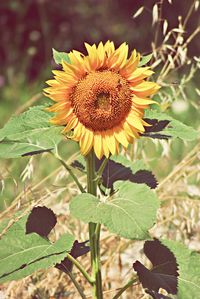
(101, 97)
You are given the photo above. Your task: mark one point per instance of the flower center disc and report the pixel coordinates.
(101, 100)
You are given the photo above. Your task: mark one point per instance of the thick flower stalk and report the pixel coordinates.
(101, 97)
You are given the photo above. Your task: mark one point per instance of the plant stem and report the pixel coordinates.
(81, 269)
(94, 230)
(77, 286)
(68, 168)
(122, 290)
(102, 167)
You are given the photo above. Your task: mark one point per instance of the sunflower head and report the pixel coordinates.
(101, 97)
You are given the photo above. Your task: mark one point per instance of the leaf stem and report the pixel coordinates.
(81, 269)
(102, 167)
(94, 230)
(77, 286)
(124, 288)
(69, 169)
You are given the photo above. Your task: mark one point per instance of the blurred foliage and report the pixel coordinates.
(31, 28)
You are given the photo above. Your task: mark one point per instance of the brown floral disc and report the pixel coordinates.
(101, 100)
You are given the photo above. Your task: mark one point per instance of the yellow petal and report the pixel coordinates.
(92, 56)
(98, 145)
(71, 70)
(57, 97)
(77, 60)
(111, 142)
(120, 135)
(141, 101)
(130, 130)
(135, 122)
(52, 82)
(105, 147)
(109, 48)
(101, 53)
(145, 89)
(71, 124)
(87, 141)
(118, 59)
(140, 73)
(78, 131)
(131, 65)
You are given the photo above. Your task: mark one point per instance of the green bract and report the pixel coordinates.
(59, 56)
(145, 59)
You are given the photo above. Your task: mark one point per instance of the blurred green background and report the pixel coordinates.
(31, 28)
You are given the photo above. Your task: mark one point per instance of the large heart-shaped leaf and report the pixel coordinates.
(29, 133)
(22, 254)
(129, 213)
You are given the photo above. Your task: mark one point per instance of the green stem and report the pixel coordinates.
(69, 169)
(94, 231)
(102, 167)
(81, 269)
(122, 290)
(77, 286)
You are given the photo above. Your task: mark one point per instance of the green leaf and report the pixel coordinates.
(59, 56)
(145, 59)
(189, 265)
(22, 254)
(129, 213)
(175, 127)
(29, 132)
